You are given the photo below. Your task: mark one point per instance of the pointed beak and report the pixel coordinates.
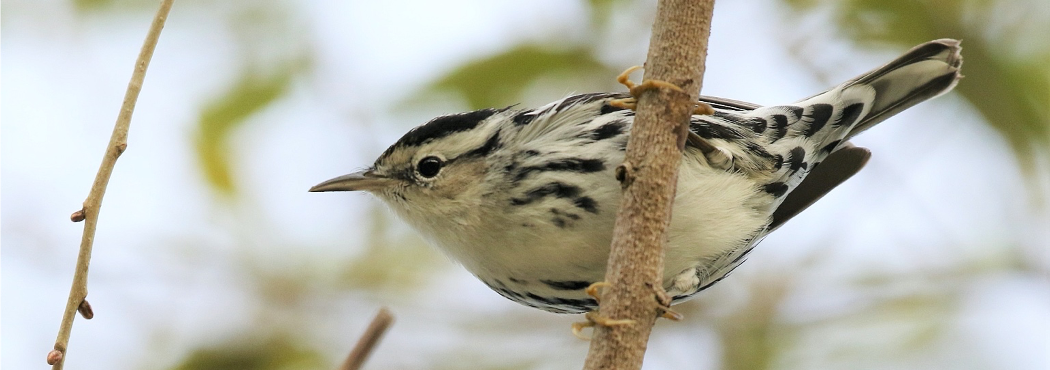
(362, 180)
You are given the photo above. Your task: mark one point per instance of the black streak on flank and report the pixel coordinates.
(850, 114)
(555, 304)
(758, 124)
(444, 126)
(777, 189)
(796, 111)
(572, 216)
(715, 131)
(567, 164)
(559, 222)
(780, 124)
(606, 109)
(566, 285)
(796, 159)
(587, 204)
(608, 130)
(819, 114)
(485, 149)
(557, 189)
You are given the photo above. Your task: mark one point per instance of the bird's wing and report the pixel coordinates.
(839, 166)
(728, 104)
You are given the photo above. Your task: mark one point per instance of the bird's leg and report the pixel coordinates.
(664, 301)
(636, 90)
(625, 77)
(593, 318)
(626, 103)
(716, 157)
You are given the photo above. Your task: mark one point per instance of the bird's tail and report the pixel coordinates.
(800, 136)
(924, 72)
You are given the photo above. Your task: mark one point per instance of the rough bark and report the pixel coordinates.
(677, 51)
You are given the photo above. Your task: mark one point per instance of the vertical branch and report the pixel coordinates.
(648, 176)
(90, 210)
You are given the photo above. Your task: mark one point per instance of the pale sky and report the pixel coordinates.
(941, 192)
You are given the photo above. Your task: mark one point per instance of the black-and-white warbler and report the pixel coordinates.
(526, 199)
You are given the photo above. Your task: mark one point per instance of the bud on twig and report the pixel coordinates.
(85, 310)
(77, 216)
(54, 357)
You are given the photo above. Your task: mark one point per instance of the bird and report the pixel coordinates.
(526, 199)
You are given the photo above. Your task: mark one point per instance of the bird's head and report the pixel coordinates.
(434, 170)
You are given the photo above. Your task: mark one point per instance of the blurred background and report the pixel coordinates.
(210, 254)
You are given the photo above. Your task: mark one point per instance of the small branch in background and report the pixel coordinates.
(368, 340)
(89, 212)
(648, 175)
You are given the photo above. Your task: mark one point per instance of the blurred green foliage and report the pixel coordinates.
(251, 93)
(122, 5)
(1006, 52)
(252, 353)
(496, 80)
(1007, 81)
(392, 261)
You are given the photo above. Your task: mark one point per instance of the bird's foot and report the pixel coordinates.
(637, 89)
(592, 291)
(594, 319)
(703, 109)
(664, 301)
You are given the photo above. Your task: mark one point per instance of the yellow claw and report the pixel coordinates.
(625, 103)
(592, 290)
(625, 77)
(636, 90)
(671, 314)
(665, 304)
(593, 319)
(703, 109)
(652, 85)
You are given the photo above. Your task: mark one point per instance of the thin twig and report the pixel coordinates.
(368, 340)
(89, 212)
(675, 68)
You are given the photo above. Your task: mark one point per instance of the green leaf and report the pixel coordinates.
(219, 119)
(499, 80)
(601, 10)
(114, 5)
(1010, 88)
(249, 352)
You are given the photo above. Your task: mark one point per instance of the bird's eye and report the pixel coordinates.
(430, 166)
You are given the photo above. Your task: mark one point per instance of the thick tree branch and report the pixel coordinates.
(649, 174)
(89, 212)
